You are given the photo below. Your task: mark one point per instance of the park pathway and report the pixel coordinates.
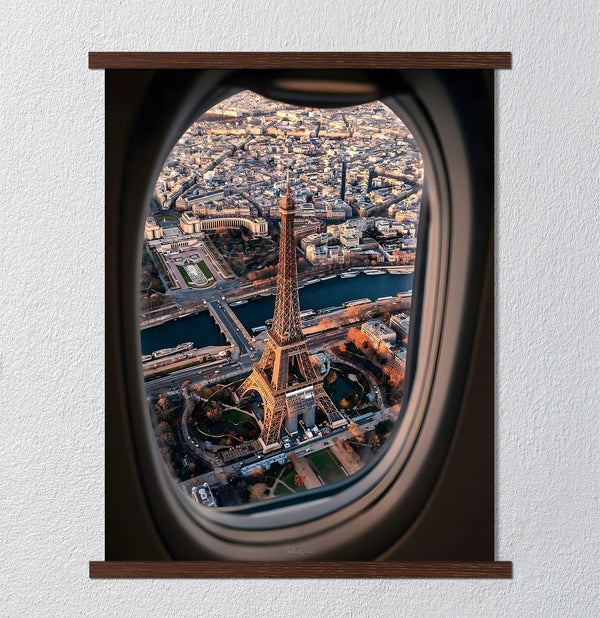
(305, 471)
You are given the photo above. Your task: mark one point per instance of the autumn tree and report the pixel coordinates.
(213, 412)
(167, 436)
(396, 255)
(163, 427)
(376, 442)
(357, 433)
(331, 377)
(395, 375)
(256, 493)
(203, 391)
(327, 323)
(349, 401)
(355, 312)
(358, 338)
(256, 476)
(298, 480)
(164, 409)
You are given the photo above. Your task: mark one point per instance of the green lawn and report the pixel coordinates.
(282, 490)
(166, 218)
(236, 417)
(205, 269)
(232, 421)
(184, 274)
(327, 465)
(288, 479)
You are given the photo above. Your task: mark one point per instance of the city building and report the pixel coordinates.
(203, 495)
(350, 236)
(152, 230)
(257, 225)
(400, 323)
(377, 332)
(189, 223)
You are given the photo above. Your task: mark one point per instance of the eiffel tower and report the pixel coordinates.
(284, 377)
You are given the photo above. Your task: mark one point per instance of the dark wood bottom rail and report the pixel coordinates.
(300, 570)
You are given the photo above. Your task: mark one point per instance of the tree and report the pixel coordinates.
(204, 391)
(257, 492)
(214, 412)
(395, 375)
(376, 443)
(358, 338)
(327, 323)
(354, 312)
(256, 476)
(164, 409)
(383, 427)
(342, 348)
(302, 264)
(357, 433)
(349, 401)
(168, 439)
(298, 480)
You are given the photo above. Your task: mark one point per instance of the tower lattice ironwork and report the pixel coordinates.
(285, 367)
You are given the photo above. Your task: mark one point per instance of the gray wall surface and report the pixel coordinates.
(51, 359)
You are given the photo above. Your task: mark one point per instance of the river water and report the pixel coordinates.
(202, 330)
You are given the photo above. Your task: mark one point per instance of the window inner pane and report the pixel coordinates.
(275, 296)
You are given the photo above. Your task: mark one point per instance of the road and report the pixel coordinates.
(219, 371)
(296, 452)
(233, 329)
(242, 365)
(206, 373)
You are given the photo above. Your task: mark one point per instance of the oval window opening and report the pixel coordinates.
(275, 291)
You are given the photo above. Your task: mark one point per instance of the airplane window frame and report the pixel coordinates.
(221, 532)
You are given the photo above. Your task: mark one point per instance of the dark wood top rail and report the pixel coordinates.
(299, 60)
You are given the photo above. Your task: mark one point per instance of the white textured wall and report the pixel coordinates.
(51, 256)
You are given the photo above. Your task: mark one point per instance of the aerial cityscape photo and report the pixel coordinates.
(275, 296)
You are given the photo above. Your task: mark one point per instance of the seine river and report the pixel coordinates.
(202, 330)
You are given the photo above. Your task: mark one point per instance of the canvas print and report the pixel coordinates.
(275, 296)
